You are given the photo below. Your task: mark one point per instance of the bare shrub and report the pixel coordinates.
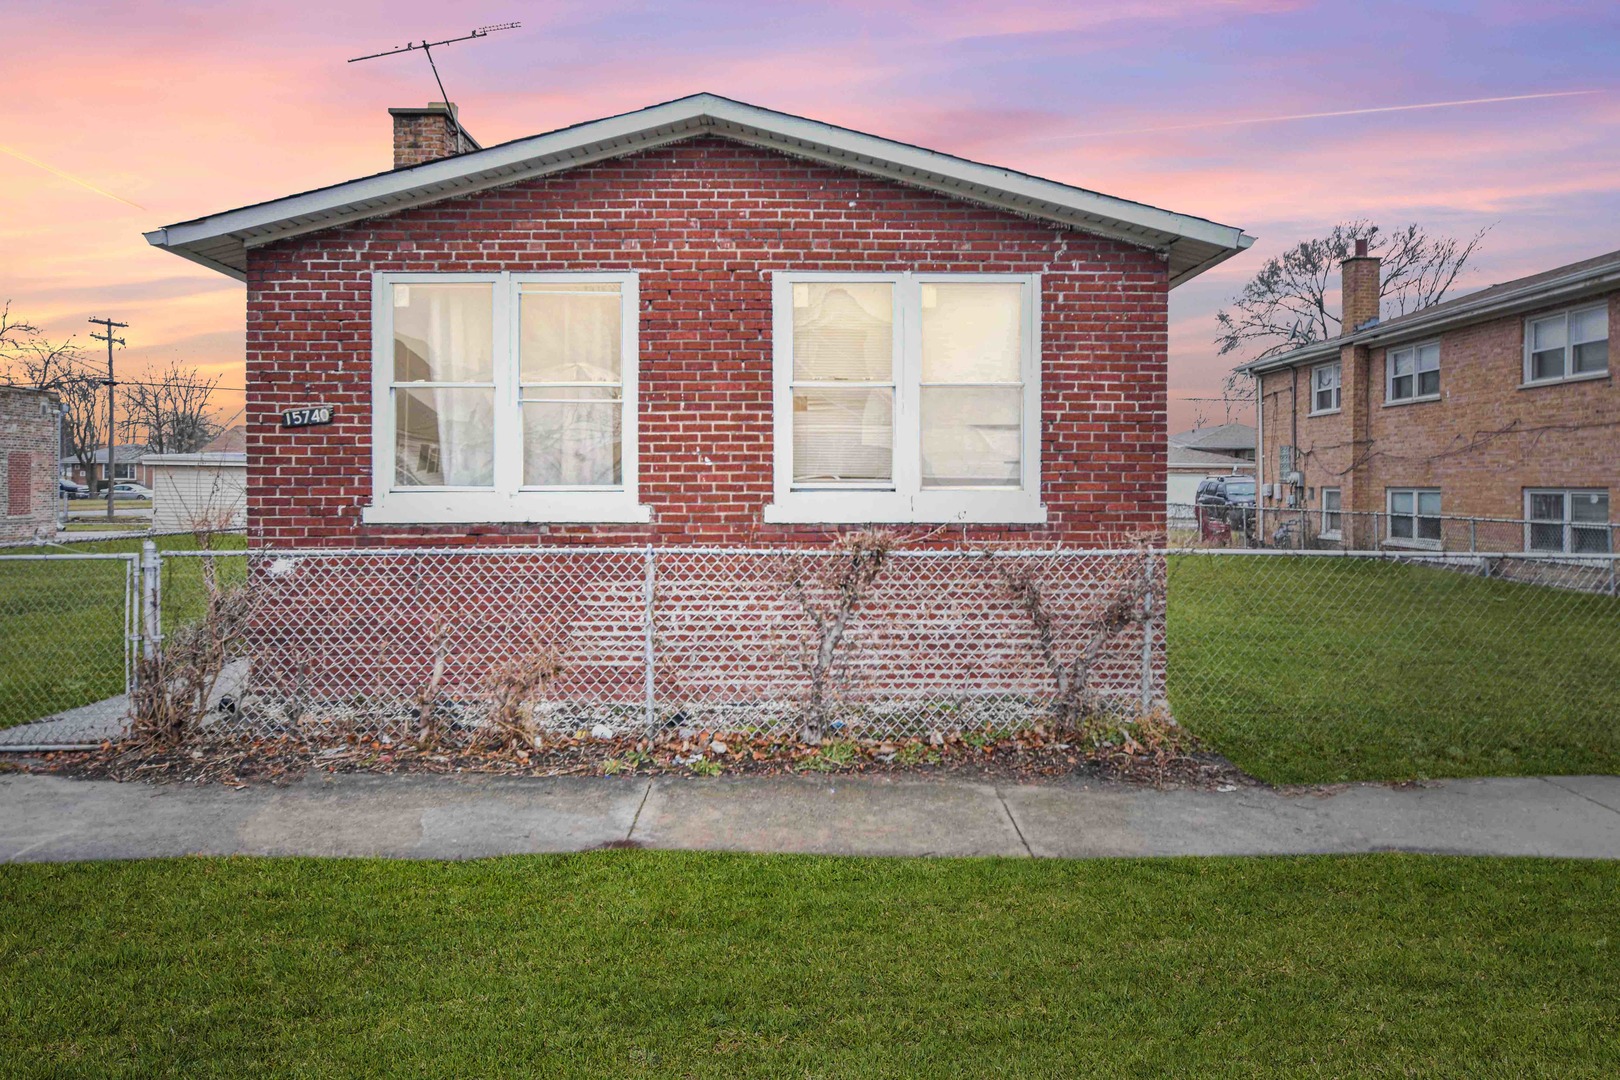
(1070, 654)
(515, 689)
(428, 733)
(828, 591)
(176, 682)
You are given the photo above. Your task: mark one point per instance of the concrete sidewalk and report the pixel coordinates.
(48, 818)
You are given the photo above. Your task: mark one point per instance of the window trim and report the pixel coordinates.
(1389, 373)
(507, 500)
(908, 501)
(1338, 389)
(1569, 375)
(1413, 541)
(1568, 521)
(1323, 532)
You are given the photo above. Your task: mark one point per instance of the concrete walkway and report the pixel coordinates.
(48, 818)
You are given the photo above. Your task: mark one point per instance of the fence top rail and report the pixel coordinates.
(84, 556)
(583, 549)
(1296, 511)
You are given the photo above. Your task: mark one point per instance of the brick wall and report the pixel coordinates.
(28, 453)
(1483, 443)
(704, 222)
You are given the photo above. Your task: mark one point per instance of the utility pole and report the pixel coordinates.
(110, 383)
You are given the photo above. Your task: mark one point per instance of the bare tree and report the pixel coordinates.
(172, 408)
(1284, 306)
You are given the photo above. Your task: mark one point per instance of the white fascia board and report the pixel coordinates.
(658, 124)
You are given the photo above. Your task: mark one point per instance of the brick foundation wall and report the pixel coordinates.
(704, 222)
(28, 452)
(1482, 444)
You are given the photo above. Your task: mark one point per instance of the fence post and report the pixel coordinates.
(649, 577)
(1147, 633)
(151, 599)
(1473, 535)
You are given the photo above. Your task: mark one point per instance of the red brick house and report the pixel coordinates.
(700, 322)
(1499, 405)
(30, 431)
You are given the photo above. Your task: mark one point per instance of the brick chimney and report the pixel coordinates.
(1358, 289)
(428, 134)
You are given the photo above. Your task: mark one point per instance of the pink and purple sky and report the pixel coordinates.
(124, 117)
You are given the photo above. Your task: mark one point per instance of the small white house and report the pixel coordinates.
(206, 490)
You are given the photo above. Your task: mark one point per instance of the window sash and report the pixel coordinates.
(1567, 344)
(1325, 388)
(1572, 521)
(905, 496)
(1413, 372)
(1415, 515)
(1332, 511)
(506, 498)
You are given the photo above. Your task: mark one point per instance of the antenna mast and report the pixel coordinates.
(427, 50)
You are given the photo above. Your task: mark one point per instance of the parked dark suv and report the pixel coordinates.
(1229, 499)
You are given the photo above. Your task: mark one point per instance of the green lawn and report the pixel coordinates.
(1318, 670)
(663, 964)
(62, 623)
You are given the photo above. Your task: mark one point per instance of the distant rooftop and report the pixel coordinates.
(1227, 438)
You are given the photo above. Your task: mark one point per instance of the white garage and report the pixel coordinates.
(198, 491)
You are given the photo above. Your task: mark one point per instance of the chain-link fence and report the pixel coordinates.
(1436, 656)
(1316, 529)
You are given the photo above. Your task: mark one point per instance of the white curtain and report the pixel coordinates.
(444, 435)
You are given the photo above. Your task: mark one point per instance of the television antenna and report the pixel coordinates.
(427, 47)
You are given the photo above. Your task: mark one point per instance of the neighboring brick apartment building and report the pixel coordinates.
(702, 322)
(29, 436)
(1501, 404)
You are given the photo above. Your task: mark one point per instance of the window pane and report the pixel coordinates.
(1400, 502)
(1400, 527)
(1428, 358)
(1330, 498)
(1546, 538)
(1428, 528)
(1400, 387)
(570, 333)
(971, 436)
(1589, 325)
(843, 331)
(1403, 363)
(1547, 334)
(1589, 506)
(1547, 365)
(971, 333)
(443, 333)
(1428, 383)
(1592, 356)
(444, 438)
(1547, 506)
(843, 435)
(1589, 541)
(1428, 502)
(572, 438)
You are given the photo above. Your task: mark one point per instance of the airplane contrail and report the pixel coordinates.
(1319, 115)
(20, 156)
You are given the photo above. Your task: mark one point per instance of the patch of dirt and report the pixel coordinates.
(1155, 754)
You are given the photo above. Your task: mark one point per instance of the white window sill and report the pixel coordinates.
(1330, 536)
(889, 508)
(1415, 545)
(1585, 376)
(1411, 400)
(1326, 412)
(524, 507)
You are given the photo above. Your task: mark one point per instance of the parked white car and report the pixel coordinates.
(127, 490)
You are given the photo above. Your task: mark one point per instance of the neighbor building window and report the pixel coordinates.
(1573, 521)
(1414, 373)
(1325, 388)
(1332, 516)
(1414, 516)
(505, 397)
(1567, 345)
(907, 397)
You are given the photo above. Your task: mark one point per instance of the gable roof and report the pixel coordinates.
(1185, 457)
(220, 241)
(1571, 283)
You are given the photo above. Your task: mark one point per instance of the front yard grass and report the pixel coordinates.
(627, 963)
(62, 622)
(1312, 670)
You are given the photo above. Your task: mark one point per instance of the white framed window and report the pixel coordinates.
(1572, 344)
(906, 397)
(1332, 514)
(1572, 521)
(504, 397)
(1414, 517)
(1325, 388)
(1412, 373)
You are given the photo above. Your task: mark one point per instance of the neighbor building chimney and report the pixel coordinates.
(428, 134)
(1358, 289)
